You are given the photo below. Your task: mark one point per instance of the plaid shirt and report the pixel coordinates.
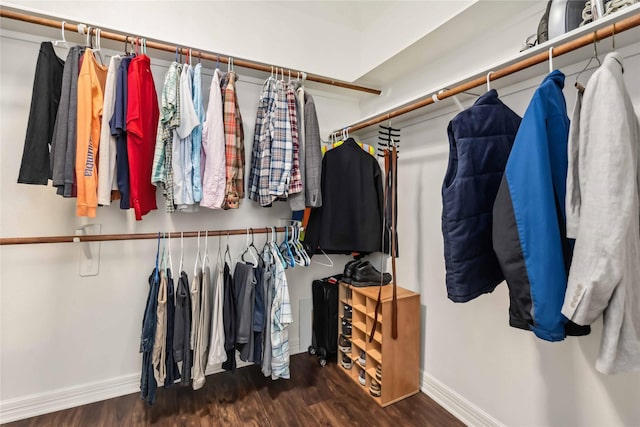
(281, 317)
(295, 186)
(162, 172)
(234, 145)
(281, 147)
(254, 171)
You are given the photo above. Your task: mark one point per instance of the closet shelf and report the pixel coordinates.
(18, 16)
(582, 38)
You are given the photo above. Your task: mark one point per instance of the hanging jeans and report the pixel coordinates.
(229, 320)
(148, 383)
(244, 282)
(173, 373)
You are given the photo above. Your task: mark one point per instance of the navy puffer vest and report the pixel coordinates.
(480, 140)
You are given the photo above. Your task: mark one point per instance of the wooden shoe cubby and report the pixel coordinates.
(399, 358)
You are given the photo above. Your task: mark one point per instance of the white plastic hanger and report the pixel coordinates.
(195, 268)
(205, 256)
(248, 249)
(551, 59)
(330, 264)
(63, 42)
(275, 249)
(97, 48)
(489, 80)
(87, 38)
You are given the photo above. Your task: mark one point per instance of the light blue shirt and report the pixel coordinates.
(196, 135)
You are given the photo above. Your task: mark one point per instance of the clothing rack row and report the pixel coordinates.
(133, 236)
(553, 51)
(38, 20)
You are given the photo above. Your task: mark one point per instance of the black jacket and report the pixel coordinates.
(350, 219)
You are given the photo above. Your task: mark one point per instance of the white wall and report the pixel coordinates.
(273, 32)
(508, 374)
(61, 333)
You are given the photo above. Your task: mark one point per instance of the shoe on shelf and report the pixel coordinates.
(344, 344)
(348, 270)
(348, 311)
(365, 274)
(379, 372)
(346, 328)
(362, 378)
(375, 388)
(363, 358)
(346, 362)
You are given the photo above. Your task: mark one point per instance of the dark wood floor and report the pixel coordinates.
(315, 396)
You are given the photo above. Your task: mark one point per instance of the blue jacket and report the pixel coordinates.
(480, 139)
(529, 216)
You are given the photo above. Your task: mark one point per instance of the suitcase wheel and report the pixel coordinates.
(323, 361)
(312, 350)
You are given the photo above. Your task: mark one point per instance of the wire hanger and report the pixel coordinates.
(219, 257)
(126, 45)
(157, 273)
(489, 80)
(170, 257)
(62, 42)
(593, 57)
(227, 253)
(181, 251)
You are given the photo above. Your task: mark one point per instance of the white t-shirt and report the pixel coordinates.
(107, 153)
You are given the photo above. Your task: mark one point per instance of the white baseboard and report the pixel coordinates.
(70, 397)
(458, 406)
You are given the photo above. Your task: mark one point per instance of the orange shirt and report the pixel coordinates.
(91, 82)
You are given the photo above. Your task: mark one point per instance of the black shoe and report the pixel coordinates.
(348, 312)
(366, 275)
(348, 270)
(344, 344)
(346, 328)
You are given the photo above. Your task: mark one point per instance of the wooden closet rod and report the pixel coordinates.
(134, 236)
(4, 13)
(585, 40)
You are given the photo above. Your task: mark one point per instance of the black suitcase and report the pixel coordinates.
(325, 318)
